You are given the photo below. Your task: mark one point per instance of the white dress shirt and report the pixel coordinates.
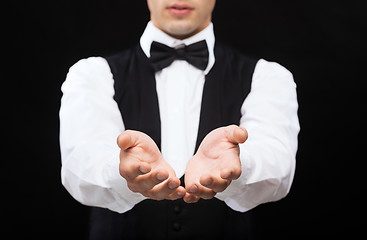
(90, 122)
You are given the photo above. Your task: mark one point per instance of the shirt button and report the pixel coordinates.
(176, 226)
(177, 209)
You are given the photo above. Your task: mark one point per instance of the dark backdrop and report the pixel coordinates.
(322, 42)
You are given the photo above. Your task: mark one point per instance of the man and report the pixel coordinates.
(180, 106)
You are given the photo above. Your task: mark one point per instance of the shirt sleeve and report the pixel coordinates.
(269, 113)
(90, 122)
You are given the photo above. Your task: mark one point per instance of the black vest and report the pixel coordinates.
(226, 87)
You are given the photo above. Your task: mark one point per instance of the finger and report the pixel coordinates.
(149, 181)
(201, 191)
(236, 134)
(127, 139)
(178, 193)
(132, 169)
(189, 198)
(231, 174)
(163, 190)
(215, 184)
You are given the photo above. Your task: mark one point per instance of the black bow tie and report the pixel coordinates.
(162, 56)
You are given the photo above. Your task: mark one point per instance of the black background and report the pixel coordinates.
(321, 42)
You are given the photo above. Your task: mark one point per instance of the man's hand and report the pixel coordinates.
(215, 164)
(144, 168)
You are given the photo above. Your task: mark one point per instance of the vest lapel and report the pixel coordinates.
(211, 101)
(226, 87)
(135, 92)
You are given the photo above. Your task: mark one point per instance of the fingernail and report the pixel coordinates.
(193, 189)
(160, 177)
(180, 194)
(172, 185)
(143, 169)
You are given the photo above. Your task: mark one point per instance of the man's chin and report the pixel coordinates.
(181, 29)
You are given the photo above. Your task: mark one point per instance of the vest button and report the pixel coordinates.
(176, 226)
(177, 209)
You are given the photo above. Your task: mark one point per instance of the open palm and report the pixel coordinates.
(215, 164)
(144, 168)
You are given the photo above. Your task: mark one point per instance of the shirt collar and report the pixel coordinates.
(152, 33)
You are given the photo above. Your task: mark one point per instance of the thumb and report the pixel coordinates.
(127, 139)
(236, 134)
